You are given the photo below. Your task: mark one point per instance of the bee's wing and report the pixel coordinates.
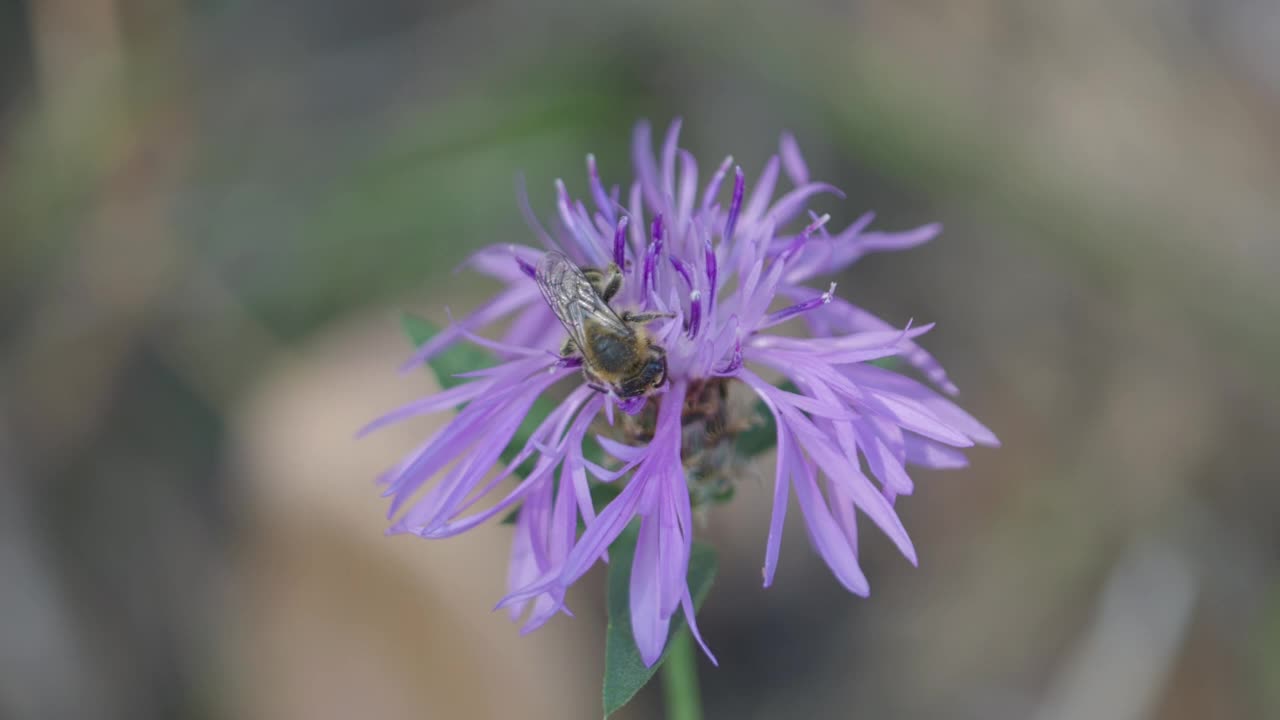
(574, 300)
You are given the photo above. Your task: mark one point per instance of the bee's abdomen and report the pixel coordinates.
(611, 354)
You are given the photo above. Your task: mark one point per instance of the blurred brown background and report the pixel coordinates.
(210, 213)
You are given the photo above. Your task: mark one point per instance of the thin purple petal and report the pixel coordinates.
(762, 192)
(669, 147)
(792, 160)
(648, 626)
(713, 187)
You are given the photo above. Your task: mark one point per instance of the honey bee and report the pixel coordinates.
(617, 355)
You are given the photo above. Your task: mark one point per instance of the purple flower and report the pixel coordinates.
(729, 266)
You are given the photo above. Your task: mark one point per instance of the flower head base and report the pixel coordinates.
(722, 267)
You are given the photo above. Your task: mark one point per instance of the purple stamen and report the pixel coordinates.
(526, 268)
(571, 361)
(650, 265)
(818, 222)
(710, 254)
(789, 251)
(620, 243)
(790, 312)
(683, 269)
(695, 313)
(799, 241)
(735, 205)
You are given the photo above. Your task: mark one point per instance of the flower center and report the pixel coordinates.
(710, 422)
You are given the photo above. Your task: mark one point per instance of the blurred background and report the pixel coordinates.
(211, 214)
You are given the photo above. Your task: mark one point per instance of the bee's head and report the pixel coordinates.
(652, 374)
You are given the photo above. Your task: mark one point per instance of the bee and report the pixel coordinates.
(617, 355)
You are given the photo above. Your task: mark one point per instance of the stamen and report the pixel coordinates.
(695, 313)
(818, 222)
(650, 263)
(789, 312)
(803, 237)
(735, 205)
(526, 268)
(650, 279)
(572, 361)
(683, 270)
(620, 243)
(710, 254)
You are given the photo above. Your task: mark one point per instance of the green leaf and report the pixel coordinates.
(624, 671)
(764, 434)
(760, 437)
(603, 493)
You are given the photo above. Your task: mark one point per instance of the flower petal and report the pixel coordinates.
(642, 158)
(827, 536)
(669, 146)
(792, 160)
(648, 625)
(761, 193)
(945, 410)
(686, 604)
(932, 454)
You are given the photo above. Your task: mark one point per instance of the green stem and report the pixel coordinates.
(680, 679)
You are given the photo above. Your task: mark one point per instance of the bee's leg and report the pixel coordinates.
(612, 283)
(606, 282)
(644, 317)
(593, 382)
(569, 348)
